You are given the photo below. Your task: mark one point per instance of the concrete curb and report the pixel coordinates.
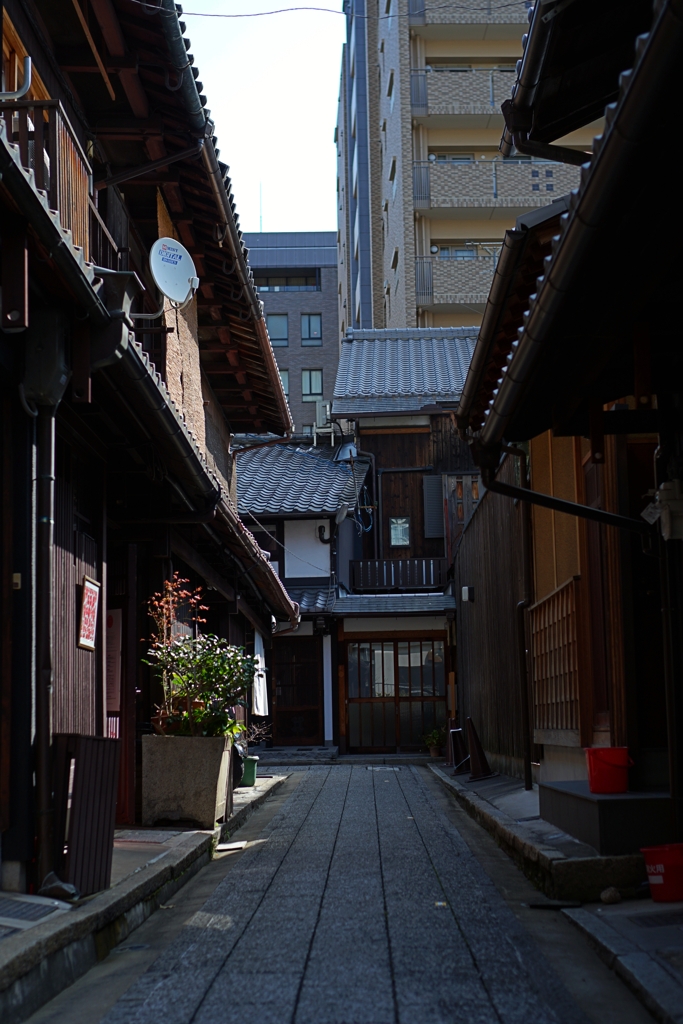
(653, 982)
(42, 961)
(558, 876)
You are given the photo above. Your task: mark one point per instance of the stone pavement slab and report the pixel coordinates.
(643, 943)
(362, 904)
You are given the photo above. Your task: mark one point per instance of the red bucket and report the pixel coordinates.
(665, 872)
(608, 769)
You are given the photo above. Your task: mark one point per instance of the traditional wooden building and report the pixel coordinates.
(307, 506)
(396, 393)
(577, 367)
(117, 408)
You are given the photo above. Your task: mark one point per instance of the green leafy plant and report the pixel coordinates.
(203, 676)
(435, 738)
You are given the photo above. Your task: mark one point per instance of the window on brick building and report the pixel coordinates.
(311, 385)
(278, 329)
(311, 329)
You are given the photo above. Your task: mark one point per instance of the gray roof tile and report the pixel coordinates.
(325, 601)
(286, 478)
(312, 600)
(394, 604)
(395, 371)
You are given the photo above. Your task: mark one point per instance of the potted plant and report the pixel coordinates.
(435, 740)
(253, 737)
(186, 769)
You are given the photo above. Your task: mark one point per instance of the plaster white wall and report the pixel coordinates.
(305, 555)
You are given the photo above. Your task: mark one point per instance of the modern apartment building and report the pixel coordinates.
(296, 276)
(424, 194)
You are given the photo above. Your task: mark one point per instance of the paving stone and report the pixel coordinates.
(361, 905)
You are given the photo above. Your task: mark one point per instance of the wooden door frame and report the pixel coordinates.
(321, 687)
(359, 636)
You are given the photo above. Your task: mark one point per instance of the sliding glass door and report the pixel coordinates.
(396, 693)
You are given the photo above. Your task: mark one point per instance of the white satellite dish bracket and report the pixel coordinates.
(174, 274)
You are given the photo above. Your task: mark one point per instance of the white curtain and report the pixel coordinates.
(259, 693)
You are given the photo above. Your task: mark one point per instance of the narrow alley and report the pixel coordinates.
(351, 880)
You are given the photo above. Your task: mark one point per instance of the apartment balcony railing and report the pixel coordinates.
(396, 574)
(49, 146)
(459, 92)
(487, 183)
(482, 13)
(453, 282)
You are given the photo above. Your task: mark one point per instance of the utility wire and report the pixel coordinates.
(151, 8)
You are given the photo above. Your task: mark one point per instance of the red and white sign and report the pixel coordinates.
(89, 604)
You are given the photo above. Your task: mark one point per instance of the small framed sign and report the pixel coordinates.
(90, 601)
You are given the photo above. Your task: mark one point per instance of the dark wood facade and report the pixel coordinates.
(115, 470)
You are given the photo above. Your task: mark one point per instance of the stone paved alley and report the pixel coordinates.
(359, 902)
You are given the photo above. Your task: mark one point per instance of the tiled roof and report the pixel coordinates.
(326, 601)
(402, 371)
(286, 478)
(394, 604)
(313, 600)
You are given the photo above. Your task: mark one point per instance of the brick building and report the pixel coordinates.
(296, 277)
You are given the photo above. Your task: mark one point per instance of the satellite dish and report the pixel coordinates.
(173, 270)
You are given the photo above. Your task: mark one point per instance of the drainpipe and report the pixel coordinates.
(45, 515)
(521, 619)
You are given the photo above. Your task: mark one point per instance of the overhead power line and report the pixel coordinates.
(152, 8)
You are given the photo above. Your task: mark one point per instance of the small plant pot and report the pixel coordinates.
(250, 766)
(435, 751)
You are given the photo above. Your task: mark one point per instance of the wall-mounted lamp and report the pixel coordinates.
(468, 593)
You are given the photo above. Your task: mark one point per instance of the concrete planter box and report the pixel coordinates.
(186, 779)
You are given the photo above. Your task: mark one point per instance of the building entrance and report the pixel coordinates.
(396, 693)
(298, 690)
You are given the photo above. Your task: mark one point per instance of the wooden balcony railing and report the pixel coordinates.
(407, 574)
(50, 148)
(559, 664)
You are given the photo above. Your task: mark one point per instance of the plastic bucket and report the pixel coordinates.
(665, 872)
(250, 766)
(608, 769)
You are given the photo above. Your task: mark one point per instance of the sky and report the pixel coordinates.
(272, 86)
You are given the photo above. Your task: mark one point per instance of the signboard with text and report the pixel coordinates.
(90, 601)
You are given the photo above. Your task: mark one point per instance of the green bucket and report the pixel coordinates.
(250, 766)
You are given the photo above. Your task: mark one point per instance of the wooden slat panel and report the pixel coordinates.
(89, 835)
(555, 659)
(59, 148)
(75, 670)
(379, 574)
(489, 558)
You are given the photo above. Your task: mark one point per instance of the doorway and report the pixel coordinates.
(298, 692)
(396, 693)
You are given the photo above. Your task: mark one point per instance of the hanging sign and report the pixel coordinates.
(90, 601)
(173, 270)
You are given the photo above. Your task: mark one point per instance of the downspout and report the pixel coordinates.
(521, 619)
(45, 516)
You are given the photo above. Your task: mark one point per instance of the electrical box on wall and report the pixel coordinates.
(468, 594)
